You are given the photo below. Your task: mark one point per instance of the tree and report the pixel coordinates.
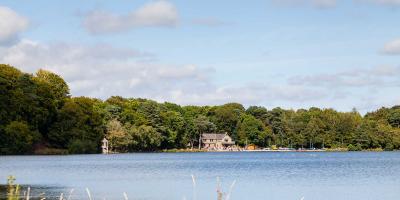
(25, 98)
(59, 87)
(144, 138)
(17, 138)
(118, 137)
(77, 119)
(226, 117)
(251, 131)
(313, 129)
(78, 146)
(9, 77)
(258, 112)
(173, 123)
(36, 111)
(277, 123)
(202, 125)
(394, 117)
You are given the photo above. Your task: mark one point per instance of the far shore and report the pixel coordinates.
(196, 150)
(271, 150)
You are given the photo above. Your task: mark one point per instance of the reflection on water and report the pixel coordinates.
(167, 176)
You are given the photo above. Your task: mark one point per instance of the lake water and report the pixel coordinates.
(167, 176)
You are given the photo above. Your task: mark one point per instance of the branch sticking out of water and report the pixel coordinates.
(194, 187)
(89, 195)
(228, 196)
(28, 193)
(70, 194)
(125, 196)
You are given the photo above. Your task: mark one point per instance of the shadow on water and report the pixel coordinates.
(37, 191)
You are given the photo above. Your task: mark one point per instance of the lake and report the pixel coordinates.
(167, 176)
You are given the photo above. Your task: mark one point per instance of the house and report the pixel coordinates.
(217, 141)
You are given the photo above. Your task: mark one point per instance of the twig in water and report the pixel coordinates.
(27, 193)
(220, 194)
(194, 187)
(230, 190)
(125, 196)
(88, 192)
(70, 193)
(218, 184)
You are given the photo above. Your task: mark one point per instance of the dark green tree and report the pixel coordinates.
(17, 138)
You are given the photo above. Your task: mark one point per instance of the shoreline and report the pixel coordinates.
(208, 151)
(265, 150)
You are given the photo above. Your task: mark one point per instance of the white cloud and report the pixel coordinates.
(385, 2)
(331, 3)
(104, 70)
(364, 88)
(11, 24)
(392, 47)
(359, 78)
(159, 13)
(313, 3)
(324, 3)
(208, 21)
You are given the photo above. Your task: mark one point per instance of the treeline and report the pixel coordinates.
(37, 114)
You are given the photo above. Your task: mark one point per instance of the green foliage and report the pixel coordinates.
(252, 131)
(38, 115)
(226, 117)
(394, 117)
(145, 138)
(173, 124)
(82, 147)
(118, 137)
(27, 99)
(258, 112)
(356, 147)
(77, 120)
(201, 125)
(17, 138)
(58, 87)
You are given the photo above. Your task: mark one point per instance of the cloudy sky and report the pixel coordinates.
(340, 54)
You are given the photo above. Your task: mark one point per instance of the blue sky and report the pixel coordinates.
(288, 53)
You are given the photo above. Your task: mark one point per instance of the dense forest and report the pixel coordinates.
(38, 115)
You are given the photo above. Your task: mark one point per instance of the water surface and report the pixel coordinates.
(167, 176)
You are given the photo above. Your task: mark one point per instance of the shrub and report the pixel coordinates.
(354, 148)
(18, 138)
(82, 147)
(51, 151)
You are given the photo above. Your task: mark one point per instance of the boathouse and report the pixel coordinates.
(217, 141)
(104, 147)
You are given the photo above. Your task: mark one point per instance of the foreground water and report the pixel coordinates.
(167, 176)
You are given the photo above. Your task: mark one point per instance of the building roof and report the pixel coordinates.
(214, 136)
